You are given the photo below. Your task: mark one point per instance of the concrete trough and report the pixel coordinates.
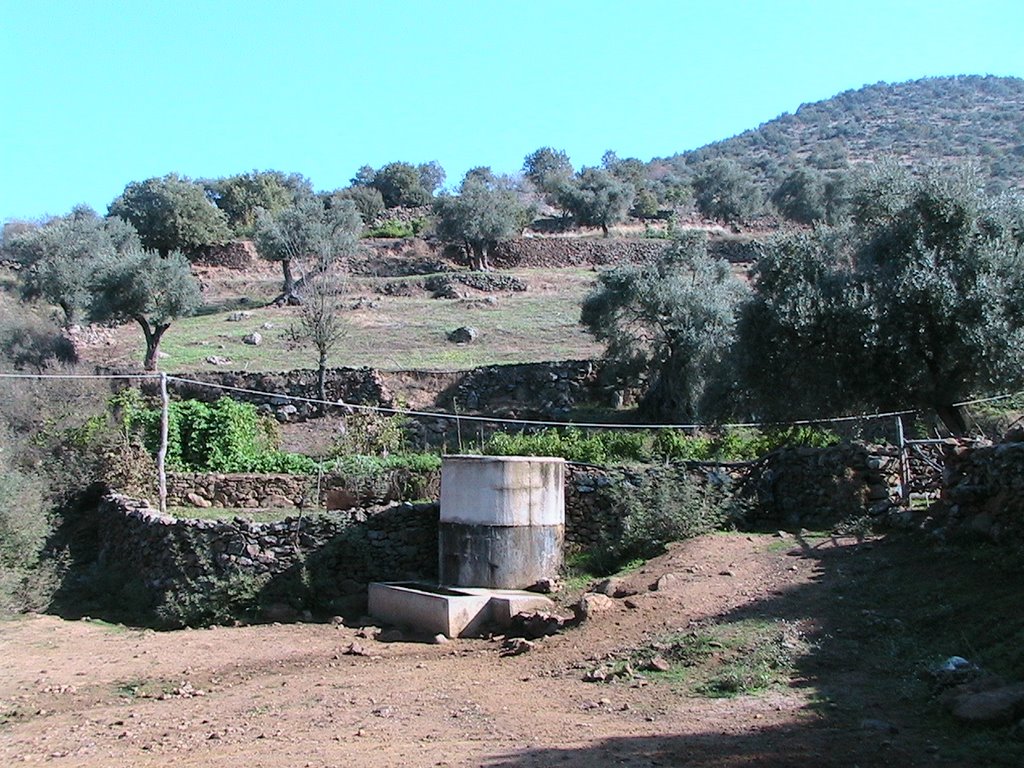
(452, 612)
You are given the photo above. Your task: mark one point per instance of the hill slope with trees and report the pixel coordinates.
(967, 118)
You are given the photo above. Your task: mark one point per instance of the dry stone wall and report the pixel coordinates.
(323, 561)
(353, 547)
(983, 492)
(278, 491)
(554, 252)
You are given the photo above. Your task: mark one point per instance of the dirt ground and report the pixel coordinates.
(88, 693)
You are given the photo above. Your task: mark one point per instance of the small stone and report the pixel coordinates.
(614, 588)
(253, 339)
(668, 583)
(235, 317)
(592, 603)
(198, 501)
(873, 724)
(1001, 706)
(516, 646)
(463, 335)
(355, 649)
(659, 664)
(439, 639)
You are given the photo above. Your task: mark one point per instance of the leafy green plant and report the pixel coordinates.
(227, 436)
(392, 228)
(206, 601)
(368, 433)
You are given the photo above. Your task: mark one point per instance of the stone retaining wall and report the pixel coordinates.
(339, 552)
(279, 491)
(814, 488)
(801, 487)
(553, 252)
(983, 492)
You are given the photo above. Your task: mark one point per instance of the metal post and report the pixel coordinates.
(161, 455)
(904, 463)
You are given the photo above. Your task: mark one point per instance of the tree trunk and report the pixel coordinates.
(321, 383)
(288, 295)
(604, 229)
(153, 335)
(477, 257)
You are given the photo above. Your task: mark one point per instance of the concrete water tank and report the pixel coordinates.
(502, 520)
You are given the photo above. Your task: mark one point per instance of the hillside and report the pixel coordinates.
(946, 119)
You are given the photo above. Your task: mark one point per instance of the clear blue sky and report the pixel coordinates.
(98, 94)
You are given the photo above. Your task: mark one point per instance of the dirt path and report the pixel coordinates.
(85, 693)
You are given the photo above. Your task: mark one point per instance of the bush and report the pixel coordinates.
(228, 436)
(656, 510)
(30, 343)
(641, 446)
(392, 228)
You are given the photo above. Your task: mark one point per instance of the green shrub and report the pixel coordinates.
(642, 446)
(227, 436)
(207, 601)
(368, 433)
(392, 228)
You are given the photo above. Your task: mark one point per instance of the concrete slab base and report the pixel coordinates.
(449, 611)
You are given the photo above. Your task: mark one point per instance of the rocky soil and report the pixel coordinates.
(87, 693)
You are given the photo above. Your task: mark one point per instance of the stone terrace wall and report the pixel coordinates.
(346, 549)
(529, 390)
(817, 487)
(238, 254)
(353, 547)
(279, 491)
(359, 386)
(552, 252)
(983, 492)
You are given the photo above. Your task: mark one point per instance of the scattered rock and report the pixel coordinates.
(439, 639)
(463, 335)
(198, 501)
(253, 339)
(536, 624)
(590, 604)
(873, 724)
(515, 646)
(235, 317)
(658, 664)
(668, 582)
(218, 360)
(355, 649)
(1001, 706)
(614, 588)
(544, 586)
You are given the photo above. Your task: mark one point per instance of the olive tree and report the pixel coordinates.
(241, 195)
(917, 303)
(403, 184)
(596, 198)
(306, 235)
(171, 213)
(670, 323)
(724, 190)
(58, 260)
(146, 288)
(486, 211)
(321, 325)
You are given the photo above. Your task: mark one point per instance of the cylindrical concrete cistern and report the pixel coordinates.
(502, 520)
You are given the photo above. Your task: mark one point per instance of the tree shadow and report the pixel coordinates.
(875, 616)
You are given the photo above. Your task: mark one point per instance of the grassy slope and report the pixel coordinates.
(396, 333)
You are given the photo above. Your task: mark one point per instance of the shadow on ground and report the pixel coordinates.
(877, 616)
